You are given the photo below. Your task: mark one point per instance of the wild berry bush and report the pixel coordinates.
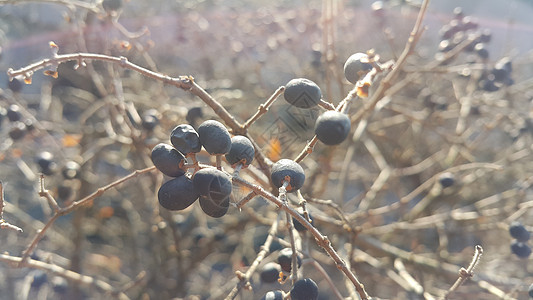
(248, 150)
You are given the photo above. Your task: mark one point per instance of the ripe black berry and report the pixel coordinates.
(285, 259)
(242, 150)
(150, 119)
(64, 192)
(356, 66)
(446, 179)
(17, 131)
(193, 114)
(15, 84)
(177, 193)
(304, 289)
(298, 226)
(270, 272)
(46, 163)
(332, 127)
(112, 5)
(39, 278)
(288, 168)
(520, 249)
(184, 138)
(212, 208)
(530, 291)
(273, 295)
(214, 137)
(13, 113)
(212, 184)
(59, 285)
(167, 160)
(71, 170)
(302, 93)
(519, 232)
(481, 50)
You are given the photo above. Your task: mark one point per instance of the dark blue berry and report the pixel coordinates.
(481, 50)
(39, 278)
(273, 295)
(17, 130)
(193, 114)
(520, 249)
(214, 208)
(167, 160)
(215, 137)
(356, 66)
(242, 150)
(71, 170)
(15, 84)
(270, 272)
(64, 192)
(184, 138)
(112, 5)
(286, 168)
(304, 289)
(13, 113)
(59, 284)
(45, 161)
(177, 193)
(285, 259)
(298, 226)
(519, 232)
(150, 119)
(302, 93)
(332, 127)
(212, 183)
(446, 179)
(530, 291)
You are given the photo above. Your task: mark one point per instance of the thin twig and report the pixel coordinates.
(67, 274)
(465, 274)
(75, 205)
(321, 240)
(244, 280)
(3, 223)
(263, 108)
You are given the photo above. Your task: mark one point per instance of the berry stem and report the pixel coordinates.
(283, 198)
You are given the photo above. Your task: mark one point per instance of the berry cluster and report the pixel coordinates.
(210, 185)
(465, 28)
(519, 245)
(18, 127)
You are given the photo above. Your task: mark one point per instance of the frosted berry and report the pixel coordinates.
(285, 259)
(17, 130)
(273, 295)
(304, 289)
(519, 232)
(332, 127)
(150, 119)
(446, 179)
(71, 170)
(242, 150)
(356, 66)
(45, 161)
(13, 113)
(292, 170)
(302, 93)
(185, 139)
(298, 226)
(214, 208)
(520, 249)
(270, 272)
(167, 160)
(177, 193)
(212, 183)
(215, 137)
(112, 5)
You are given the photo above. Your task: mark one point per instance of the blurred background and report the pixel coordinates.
(447, 118)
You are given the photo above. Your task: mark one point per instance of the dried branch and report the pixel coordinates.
(465, 274)
(3, 223)
(67, 274)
